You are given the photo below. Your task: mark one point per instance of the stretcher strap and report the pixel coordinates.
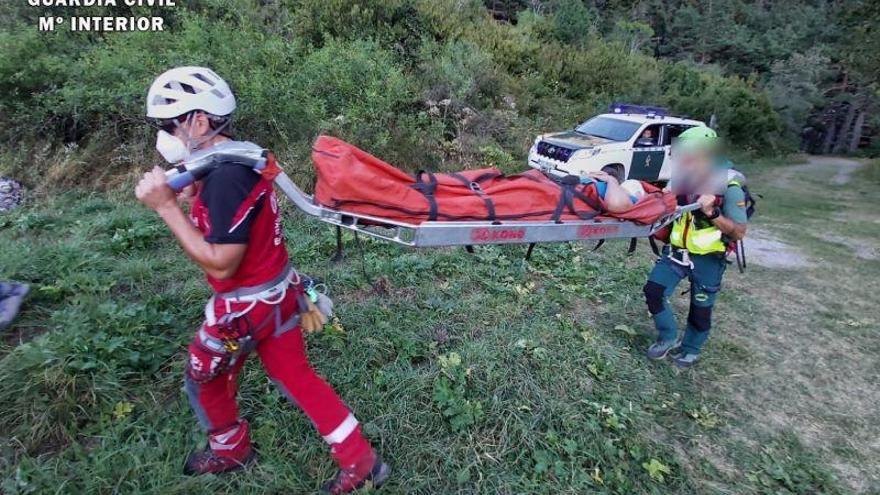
(594, 205)
(428, 189)
(568, 186)
(475, 187)
(560, 205)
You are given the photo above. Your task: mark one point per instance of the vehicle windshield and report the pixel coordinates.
(613, 129)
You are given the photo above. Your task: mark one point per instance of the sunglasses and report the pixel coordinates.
(169, 125)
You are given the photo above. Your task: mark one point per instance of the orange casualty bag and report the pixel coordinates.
(351, 179)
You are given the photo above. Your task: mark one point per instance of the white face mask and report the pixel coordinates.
(172, 149)
(175, 150)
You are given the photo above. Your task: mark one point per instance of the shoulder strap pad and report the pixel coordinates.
(735, 178)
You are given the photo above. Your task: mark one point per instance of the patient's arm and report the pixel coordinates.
(617, 200)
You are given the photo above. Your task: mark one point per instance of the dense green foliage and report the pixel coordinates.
(373, 70)
(817, 58)
(420, 82)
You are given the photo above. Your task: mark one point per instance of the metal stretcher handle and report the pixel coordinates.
(438, 234)
(300, 199)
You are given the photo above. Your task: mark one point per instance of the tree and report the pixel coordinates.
(574, 21)
(795, 87)
(633, 35)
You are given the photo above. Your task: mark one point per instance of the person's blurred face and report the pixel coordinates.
(694, 163)
(649, 133)
(693, 171)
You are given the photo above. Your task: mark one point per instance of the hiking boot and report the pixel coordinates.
(207, 461)
(350, 479)
(660, 349)
(11, 297)
(235, 444)
(685, 360)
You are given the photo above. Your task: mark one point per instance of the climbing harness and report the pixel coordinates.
(680, 257)
(236, 333)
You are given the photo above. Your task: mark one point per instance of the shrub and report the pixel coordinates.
(459, 71)
(362, 70)
(745, 115)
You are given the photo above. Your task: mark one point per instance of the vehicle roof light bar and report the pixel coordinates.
(630, 109)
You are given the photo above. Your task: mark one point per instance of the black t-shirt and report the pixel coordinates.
(227, 194)
(236, 205)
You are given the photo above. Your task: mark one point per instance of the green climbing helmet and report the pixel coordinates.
(700, 138)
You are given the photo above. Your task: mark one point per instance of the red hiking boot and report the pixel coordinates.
(228, 450)
(207, 461)
(350, 478)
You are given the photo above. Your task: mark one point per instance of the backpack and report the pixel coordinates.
(738, 247)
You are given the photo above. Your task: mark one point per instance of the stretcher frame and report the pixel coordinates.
(475, 233)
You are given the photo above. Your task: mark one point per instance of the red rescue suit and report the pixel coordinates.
(256, 310)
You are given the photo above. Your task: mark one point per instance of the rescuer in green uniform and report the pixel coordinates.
(697, 245)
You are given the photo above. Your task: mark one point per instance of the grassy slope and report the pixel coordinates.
(472, 373)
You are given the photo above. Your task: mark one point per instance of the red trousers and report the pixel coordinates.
(211, 380)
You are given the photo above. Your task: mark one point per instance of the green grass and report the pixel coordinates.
(472, 373)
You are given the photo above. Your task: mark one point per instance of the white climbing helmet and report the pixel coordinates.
(184, 89)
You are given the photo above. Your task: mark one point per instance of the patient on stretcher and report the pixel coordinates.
(352, 180)
(618, 197)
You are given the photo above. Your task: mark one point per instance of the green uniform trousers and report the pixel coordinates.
(705, 282)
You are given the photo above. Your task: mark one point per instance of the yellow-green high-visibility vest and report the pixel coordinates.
(685, 234)
(706, 240)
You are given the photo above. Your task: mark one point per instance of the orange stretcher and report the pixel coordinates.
(359, 192)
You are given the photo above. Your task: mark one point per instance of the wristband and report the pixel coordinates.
(715, 214)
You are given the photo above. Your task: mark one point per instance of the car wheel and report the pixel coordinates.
(615, 171)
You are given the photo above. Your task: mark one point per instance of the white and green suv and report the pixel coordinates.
(629, 142)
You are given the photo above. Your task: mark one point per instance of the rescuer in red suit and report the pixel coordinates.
(234, 234)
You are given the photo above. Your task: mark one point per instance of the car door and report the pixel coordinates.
(648, 155)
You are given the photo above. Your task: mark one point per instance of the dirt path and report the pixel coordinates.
(767, 249)
(845, 167)
(812, 324)
(819, 165)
